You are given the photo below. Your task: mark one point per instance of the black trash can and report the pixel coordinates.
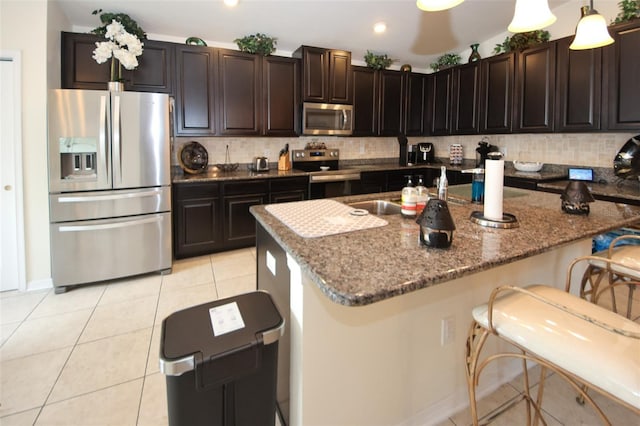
(220, 359)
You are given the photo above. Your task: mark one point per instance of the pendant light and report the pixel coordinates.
(436, 5)
(591, 31)
(531, 15)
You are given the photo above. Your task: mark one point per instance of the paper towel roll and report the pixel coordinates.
(493, 188)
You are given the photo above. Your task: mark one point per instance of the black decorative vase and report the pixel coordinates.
(475, 56)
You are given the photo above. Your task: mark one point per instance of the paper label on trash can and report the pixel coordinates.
(226, 318)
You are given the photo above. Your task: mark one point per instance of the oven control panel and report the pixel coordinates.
(304, 155)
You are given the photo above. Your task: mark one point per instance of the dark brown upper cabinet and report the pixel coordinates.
(578, 88)
(415, 116)
(535, 89)
(392, 86)
(196, 69)
(239, 93)
(496, 93)
(623, 70)
(465, 92)
(439, 102)
(154, 72)
(280, 95)
(365, 98)
(388, 102)
(326, 75)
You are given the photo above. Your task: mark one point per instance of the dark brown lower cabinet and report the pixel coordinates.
(197, 228)
(214, 216)
(239, 223)
(284, 190)
(372, 182)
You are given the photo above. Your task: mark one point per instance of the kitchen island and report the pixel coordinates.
(366, 309)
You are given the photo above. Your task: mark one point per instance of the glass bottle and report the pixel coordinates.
(422, 195)
(443, 184)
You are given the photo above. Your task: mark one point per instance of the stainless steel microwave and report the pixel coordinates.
(327, 119)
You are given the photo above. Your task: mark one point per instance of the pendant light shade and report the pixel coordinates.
(531, 15)
(591, 31)
(436, 5)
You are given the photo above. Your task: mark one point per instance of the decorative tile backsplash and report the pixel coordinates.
(575, 149)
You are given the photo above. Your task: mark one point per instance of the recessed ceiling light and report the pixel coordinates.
(231, 3)
(379, 27)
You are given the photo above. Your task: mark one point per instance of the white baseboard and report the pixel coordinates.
(459, 400)
(39, 284)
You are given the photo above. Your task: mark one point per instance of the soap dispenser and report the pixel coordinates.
(409, 199)
(422, 195)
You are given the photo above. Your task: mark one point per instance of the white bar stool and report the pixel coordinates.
(563, 333)
(626, 272)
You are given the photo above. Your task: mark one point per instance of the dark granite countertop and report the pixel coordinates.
(549, 172)
(629, 190)
(367, 266)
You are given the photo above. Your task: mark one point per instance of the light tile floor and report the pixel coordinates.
(90, 356)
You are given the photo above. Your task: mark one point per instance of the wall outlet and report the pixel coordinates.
(448, 333)
(503, 150)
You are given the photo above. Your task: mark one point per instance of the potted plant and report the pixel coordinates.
(521, 41)
(257, 43)
(446, 61)
(629, 9)
(123, 44)
(377, 62)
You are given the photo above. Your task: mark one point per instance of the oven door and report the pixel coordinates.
(334, 184)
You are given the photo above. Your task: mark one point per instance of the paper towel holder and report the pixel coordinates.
(508, 221)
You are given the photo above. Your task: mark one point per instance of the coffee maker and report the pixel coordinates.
(425, 153)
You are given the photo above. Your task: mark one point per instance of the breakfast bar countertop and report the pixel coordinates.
(367, 266)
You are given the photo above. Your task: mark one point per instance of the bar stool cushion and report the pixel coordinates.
(629, 256)
(607, 359)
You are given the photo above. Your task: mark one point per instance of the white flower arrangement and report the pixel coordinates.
(122, 47)
(123, 44)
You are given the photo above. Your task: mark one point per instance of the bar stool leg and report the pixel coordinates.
(476, 337)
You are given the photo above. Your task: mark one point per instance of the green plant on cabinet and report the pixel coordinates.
(521, 41)
(629, 9)
(445, 61)
(377, 62)
(257, 43)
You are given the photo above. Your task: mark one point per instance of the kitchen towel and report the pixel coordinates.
(319, 218)
(493, 189)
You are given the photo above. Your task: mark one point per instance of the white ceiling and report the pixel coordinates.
(413, 36)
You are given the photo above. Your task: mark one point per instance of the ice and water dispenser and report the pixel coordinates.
(77, 158)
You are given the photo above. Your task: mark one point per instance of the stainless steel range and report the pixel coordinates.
(327, 179)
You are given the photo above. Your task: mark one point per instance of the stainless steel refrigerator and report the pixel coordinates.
(109, 185)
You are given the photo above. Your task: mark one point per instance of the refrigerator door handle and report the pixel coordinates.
(81, 199)
(103, 135)
(117, 140)
(106, 226)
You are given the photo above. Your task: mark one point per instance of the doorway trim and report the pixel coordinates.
(15, 57)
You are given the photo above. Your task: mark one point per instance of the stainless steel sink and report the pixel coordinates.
(377, 207)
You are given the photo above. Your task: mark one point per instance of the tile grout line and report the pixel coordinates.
(55, 382)
(23, 320)
(146, 364)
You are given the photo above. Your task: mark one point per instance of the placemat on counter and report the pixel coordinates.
(319, 218)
